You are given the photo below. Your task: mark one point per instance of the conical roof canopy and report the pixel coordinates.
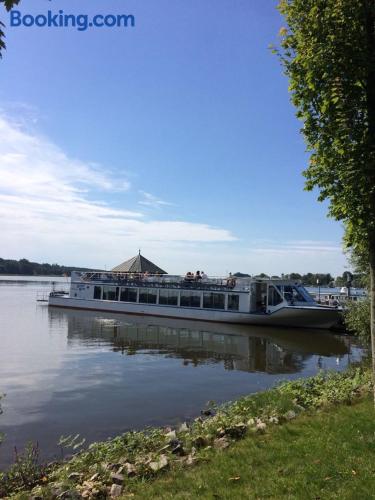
(138, 264)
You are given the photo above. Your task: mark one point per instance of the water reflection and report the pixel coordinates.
(101, 374)
(236, 347)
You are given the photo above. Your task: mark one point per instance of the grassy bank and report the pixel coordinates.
(328, 455)
(267, 445)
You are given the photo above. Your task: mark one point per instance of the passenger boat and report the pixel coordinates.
(273, 302)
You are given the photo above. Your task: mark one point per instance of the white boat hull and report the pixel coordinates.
(291, 316)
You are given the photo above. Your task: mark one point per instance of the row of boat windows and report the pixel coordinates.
(210, 300)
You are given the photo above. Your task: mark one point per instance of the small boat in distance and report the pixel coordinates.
(253, 301)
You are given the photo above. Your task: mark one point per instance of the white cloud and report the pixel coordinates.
(152, 201)
(47, 210)
(296, 247)
(53, 208)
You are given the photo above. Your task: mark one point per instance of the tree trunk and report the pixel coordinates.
(370, 95)
(372, 300)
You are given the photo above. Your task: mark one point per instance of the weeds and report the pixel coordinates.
(25, 473)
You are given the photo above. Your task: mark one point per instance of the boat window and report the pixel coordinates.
(294, 293)
(168, 297)
(233, 302)
(128, 295)
(97, 292)
(274, 297)
(190, 299)
(214, 300)
(147, 296)
(304, 293)
(110, 292)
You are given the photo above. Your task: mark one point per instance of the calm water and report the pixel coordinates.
(99, 374)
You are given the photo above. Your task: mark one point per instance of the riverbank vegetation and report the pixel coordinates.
(130, 463)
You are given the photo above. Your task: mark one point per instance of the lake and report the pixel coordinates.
(100, 374)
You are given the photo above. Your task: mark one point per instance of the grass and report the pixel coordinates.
(327, 455)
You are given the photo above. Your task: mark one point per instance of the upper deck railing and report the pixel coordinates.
(174, 281)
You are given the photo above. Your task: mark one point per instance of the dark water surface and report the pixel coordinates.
(99, 374)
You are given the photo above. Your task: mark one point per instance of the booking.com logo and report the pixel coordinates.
(79, 21)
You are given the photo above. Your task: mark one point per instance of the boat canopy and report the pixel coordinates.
(138, 264)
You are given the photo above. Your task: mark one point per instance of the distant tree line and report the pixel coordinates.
(317, 279)
(27, 268)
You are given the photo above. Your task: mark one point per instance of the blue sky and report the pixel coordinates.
(176, 136)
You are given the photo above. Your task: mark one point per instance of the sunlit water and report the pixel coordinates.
(100, 374)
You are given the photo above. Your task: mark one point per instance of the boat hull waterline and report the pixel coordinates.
(291, 316)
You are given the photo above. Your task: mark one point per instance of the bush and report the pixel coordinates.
(357, 319)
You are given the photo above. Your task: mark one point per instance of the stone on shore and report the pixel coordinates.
(116, 490)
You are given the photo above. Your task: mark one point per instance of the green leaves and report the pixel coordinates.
(328, 55)
(9, 4)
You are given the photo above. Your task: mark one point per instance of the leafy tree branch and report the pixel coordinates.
(8, 4)
(328, 53)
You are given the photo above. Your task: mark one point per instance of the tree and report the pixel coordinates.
(328, 53)
(9, 4)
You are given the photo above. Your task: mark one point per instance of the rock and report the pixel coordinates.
(183, 427)
(116, 490)
(163, 461)
(57, 489)
(160, 464)
(69, 495)
(174, 442)
(75, 476)
(95, 492)
(117, 478)
(261, 427)
(86, 494)
(199, 442)
(130, 469)
(221, 443)
(171, 435)
(206, 413)
(273, 420)
(178, 449)
(220, 432)
(88, 485)
(290, 415)
(113, 466)
(190, 460)
(237, 431)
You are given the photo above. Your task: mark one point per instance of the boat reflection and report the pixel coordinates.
(236, 347)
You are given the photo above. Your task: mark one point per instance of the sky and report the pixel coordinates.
(176, 137)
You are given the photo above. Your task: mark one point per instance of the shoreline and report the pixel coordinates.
(111, 467)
